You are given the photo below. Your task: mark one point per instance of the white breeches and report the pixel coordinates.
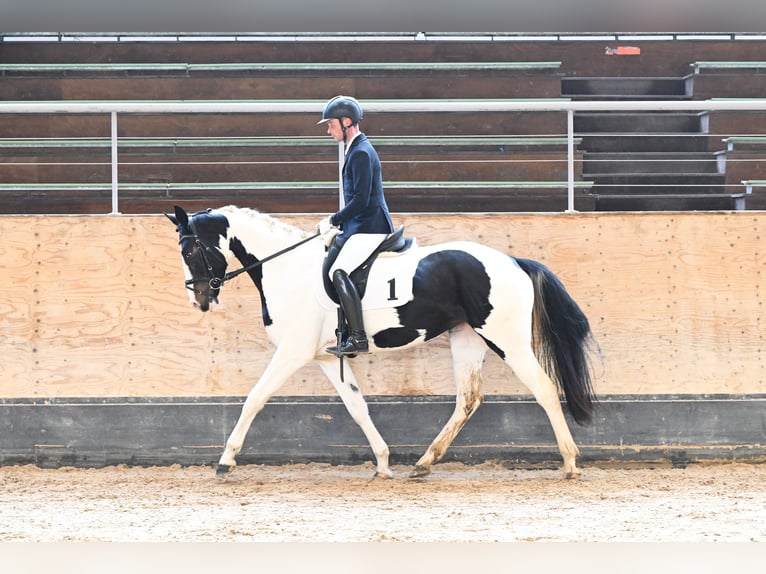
(355, 250)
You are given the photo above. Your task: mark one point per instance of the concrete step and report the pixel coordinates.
(651, 142)
(657, 184)
(625, 87)
(668, 202)
(637, 122)
(624, 97)
(648, 162)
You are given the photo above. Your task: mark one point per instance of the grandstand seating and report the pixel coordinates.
(273, 80)
(285, 197)
(155, 165)
(432, 161)
(743, 78)
(755, 190)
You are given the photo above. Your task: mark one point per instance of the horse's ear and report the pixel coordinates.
(180, 218)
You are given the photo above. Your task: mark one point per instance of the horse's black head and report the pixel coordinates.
(200, 237)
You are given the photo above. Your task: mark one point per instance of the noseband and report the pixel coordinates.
(216, 283)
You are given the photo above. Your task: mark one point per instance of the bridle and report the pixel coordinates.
(215, 283)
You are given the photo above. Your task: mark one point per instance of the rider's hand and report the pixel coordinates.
(330, 235)
(324, 226)
(327, 230)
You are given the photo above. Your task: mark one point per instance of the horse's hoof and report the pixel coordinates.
(420, 472)
(574, 475)
(384, 475)
(222, 470)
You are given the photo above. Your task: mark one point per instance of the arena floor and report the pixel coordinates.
(323, 503)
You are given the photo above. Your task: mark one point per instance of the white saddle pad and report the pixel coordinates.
(389, 283)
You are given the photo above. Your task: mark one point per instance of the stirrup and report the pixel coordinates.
(350, 347)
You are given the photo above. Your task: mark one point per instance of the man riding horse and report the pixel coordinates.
(360, 226)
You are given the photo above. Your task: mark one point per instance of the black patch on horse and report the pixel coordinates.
(256, 274)
(449, 288)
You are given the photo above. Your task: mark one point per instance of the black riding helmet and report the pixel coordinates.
(342, 107)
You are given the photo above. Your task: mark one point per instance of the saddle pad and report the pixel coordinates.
(388, 285)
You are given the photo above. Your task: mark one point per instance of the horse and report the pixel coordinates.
(484, 299)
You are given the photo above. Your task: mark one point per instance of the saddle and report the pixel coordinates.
(394, 244)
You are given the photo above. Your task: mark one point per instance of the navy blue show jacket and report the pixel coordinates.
(365, 208)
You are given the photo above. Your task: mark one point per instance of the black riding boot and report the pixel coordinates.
(352, 307)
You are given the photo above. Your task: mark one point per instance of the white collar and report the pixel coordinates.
(348, 144)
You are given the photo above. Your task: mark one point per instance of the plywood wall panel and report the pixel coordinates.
(94, 306)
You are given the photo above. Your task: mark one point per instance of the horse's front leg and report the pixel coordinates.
(283, 364)
(353, 399)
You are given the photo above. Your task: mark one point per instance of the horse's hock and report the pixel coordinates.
(105, 362)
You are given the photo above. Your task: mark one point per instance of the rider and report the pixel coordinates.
(365, 216)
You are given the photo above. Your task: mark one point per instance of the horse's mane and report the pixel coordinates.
(262, 219)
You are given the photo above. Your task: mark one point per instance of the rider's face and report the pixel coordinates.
(334, 130)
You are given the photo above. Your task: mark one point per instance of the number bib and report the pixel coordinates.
(390, 280)
(389, 283)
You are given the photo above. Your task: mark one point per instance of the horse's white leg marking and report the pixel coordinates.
(468, 350)
(352, 397)
(528, 370)
(283, 364)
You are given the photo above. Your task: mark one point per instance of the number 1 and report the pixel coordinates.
(392, 289)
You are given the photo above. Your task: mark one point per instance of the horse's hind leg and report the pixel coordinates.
(468, 350)
(530, 373)
(352, 397)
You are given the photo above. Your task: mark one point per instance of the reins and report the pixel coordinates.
(256, 264)
(218, 282)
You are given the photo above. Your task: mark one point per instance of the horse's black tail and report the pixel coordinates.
(562, 339)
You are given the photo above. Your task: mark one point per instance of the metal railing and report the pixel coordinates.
(378, 36)
(116, 108)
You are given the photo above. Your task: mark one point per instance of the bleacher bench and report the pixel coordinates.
(499, 141)
(753, 183)
(169, 187)
(743, 140)
(728, 65)
(187, 68)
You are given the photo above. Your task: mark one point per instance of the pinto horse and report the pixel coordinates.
(485, 299)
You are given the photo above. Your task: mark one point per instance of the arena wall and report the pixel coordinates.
(104, 361)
